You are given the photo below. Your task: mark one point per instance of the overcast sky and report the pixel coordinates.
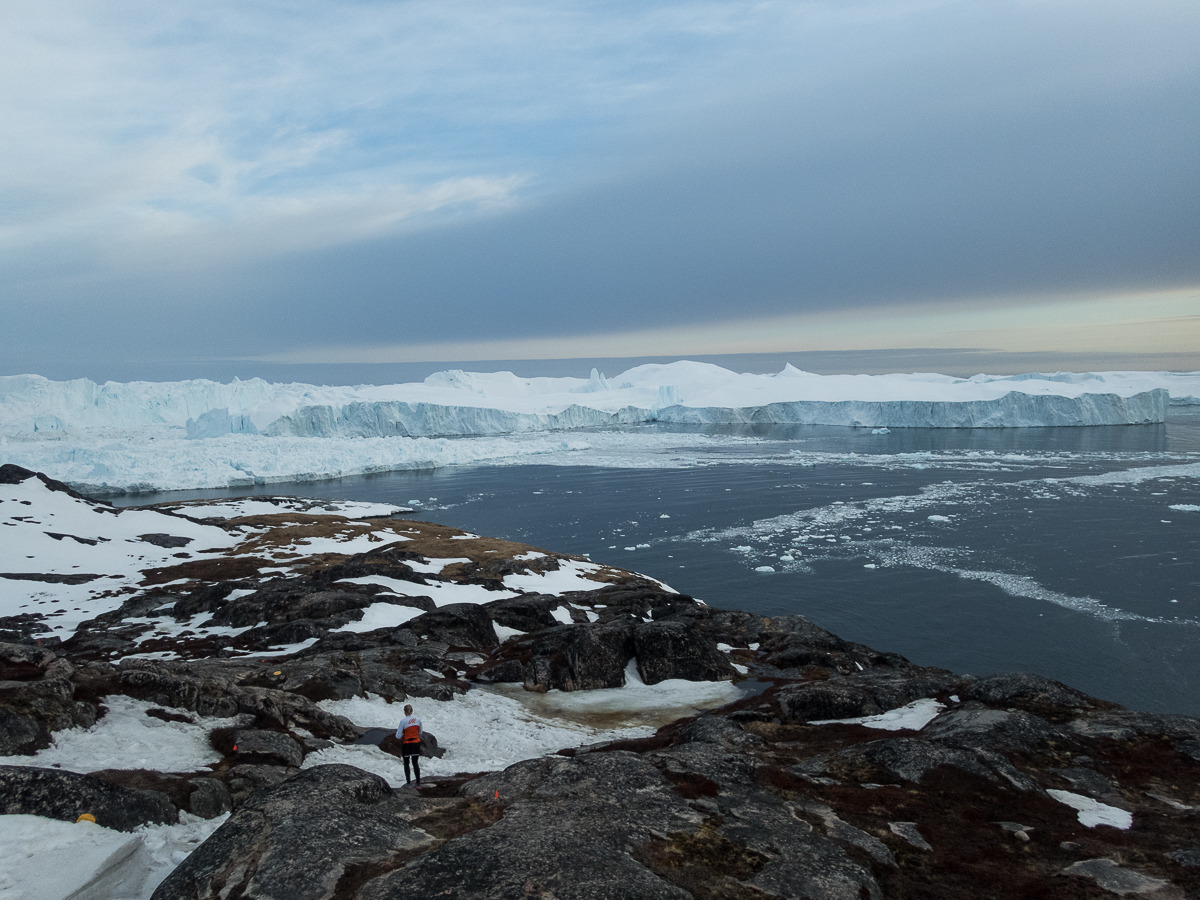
(397, 181)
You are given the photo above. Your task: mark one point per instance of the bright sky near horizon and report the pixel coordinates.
(379, 181)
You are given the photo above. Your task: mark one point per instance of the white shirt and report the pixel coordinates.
(407, 722)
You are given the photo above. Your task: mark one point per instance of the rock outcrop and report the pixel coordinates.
(55, 794)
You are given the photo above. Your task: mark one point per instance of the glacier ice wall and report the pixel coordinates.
(470, 403)
(1012, 410)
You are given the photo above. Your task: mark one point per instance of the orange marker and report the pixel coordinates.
(497, 793)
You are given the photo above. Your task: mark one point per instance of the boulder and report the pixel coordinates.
(992, 729)
(323, 677)
(673, 650)
(1116, 879)
(789, 642)
(567, 658)
(37, 697)
(458, 625)
(300, 839)
(209, 798)
(911, 759)
(1028, 691)
(247, 779)
(528, 612)
(597, 656)
(271, 748)
(57, 794)
(820, 700)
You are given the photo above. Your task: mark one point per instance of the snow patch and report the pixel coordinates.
(911, 717)
(1093, 812)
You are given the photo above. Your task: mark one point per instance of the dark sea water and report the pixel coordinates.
(981, 551)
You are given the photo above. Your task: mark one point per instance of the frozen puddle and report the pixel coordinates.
(491, 728)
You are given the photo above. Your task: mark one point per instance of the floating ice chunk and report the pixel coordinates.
(870, 566)
(1093, 812)
(938, 518)
(743, 549)
(664, 516)
(787, 557)
(766, 570)
(1185, 507)
(883, 430)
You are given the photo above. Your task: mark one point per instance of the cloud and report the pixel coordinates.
(1162, 322)
(229, 180)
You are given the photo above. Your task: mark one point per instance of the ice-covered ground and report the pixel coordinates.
(488, 729)
(200, 434)
(45, 859)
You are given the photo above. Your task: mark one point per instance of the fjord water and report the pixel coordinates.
(1054, 550)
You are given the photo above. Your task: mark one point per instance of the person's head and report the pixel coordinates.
(408, 709)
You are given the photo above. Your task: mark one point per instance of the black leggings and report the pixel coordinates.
(415, 757)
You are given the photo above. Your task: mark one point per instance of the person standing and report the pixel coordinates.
(409, 734)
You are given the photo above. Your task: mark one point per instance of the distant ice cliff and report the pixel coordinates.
(470, 403)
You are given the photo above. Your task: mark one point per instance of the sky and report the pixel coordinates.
(288, 184)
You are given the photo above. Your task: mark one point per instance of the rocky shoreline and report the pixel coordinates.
(837, 771)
